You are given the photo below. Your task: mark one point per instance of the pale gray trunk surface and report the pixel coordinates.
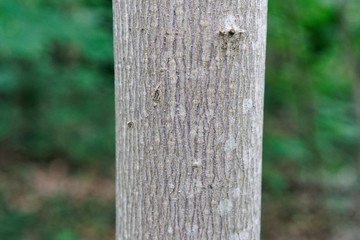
(189, 113)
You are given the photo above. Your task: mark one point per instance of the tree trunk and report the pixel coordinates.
(189, 85)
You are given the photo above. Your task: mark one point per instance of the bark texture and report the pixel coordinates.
(189, 114)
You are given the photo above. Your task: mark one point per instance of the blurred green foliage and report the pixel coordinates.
(311, 128)
(56, 78)
(12, 222)
(310, 120)
(60, 219)
(56, 100)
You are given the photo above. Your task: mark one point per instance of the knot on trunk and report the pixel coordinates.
(230, 27)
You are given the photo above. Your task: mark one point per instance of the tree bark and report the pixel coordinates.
(189, 86)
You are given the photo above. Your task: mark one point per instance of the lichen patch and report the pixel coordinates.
(225, 207)
(240, 236)
(230, 145)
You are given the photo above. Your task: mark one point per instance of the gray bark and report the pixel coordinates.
(189, 92)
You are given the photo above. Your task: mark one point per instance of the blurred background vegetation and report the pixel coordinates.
(57, 120)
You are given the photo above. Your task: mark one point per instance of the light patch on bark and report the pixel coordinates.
(241, 236)
(230, 145)
(225, 207)
(247, 105)
(236, 193)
